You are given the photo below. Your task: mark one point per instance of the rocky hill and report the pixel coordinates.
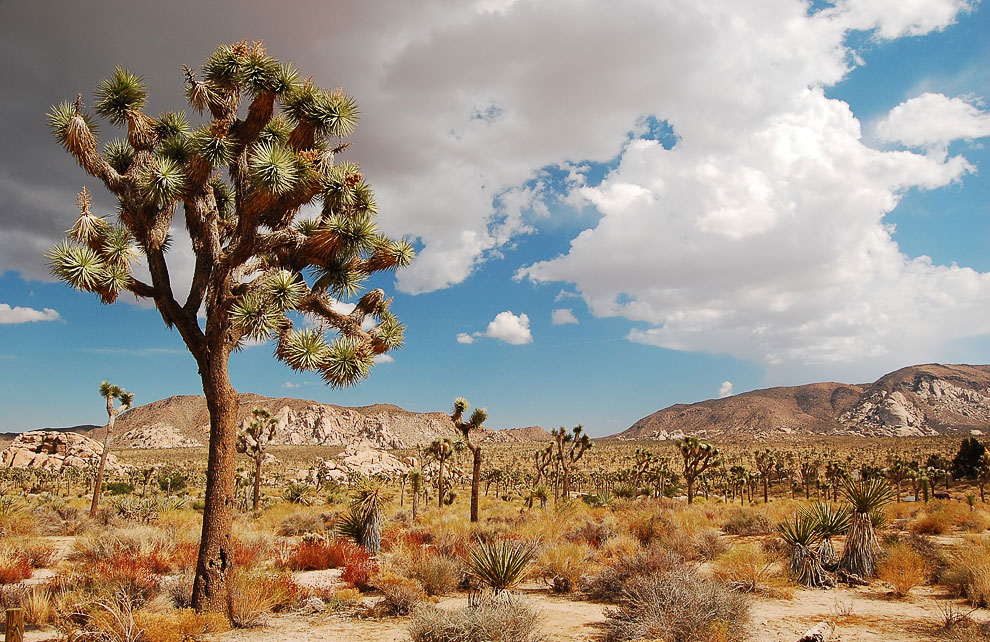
(930, 399)
(184, 421)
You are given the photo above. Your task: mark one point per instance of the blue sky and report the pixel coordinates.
(717, 192)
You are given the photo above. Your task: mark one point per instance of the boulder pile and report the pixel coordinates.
(52, 449)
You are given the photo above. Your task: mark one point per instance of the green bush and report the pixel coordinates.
(119, 488)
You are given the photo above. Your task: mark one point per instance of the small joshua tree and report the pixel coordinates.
(110, 393)
(268, 147)
(415, 487)
(698, 457)
(441, 450)
(570, 447)
(253, 441)
(478, 418)
(766, 462)
(866, 500)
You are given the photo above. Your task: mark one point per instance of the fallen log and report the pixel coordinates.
(821, 632)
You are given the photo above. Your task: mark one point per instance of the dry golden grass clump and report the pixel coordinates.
(509, 620)
(749, 569)
(562, 566)
(903, 568)
(436, 573)
(967, 573)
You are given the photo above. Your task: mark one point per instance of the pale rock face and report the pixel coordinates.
(360, 458)
(54, 450)
(157, 436)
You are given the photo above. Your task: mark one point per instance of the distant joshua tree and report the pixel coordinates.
(478, 418)
(766, 462)
(698, 457)
(253, 441)
(110, 393)
(441, 450)
(569, 455)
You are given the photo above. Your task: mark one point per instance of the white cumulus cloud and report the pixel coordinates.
(562, 316)
(725, 390)
(384, 358)
(464, 337)
(19, 314)
(934, 120)
(510, 328)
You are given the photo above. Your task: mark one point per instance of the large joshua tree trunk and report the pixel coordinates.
(211, 587)
(475, 480)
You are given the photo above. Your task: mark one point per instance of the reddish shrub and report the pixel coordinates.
(246, 554)
(360, 570)
(320, 554)
(14, 568)
(185, 554)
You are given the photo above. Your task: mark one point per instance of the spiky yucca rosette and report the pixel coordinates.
(867, 500)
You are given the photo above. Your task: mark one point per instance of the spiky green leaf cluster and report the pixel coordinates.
(162, 180)
(304, 350)
(802, 530)
(217, 150)
(274, 168)
(339, 278)
(83, 268)
(255, 317)
(276, 132)
(330, 113)
(829, 520)
(500, 564)
(66, 123)
(171, 123)
(119, 154)
(284, 288)
(120, 95)
(346, 363)
(868, 496)
(224, 195)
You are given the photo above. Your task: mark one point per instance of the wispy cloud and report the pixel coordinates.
(133, 352)
(563, 316)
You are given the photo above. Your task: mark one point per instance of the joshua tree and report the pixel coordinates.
(698, 457)
(983, 475)
(766, 462)
(441, 450)
(866, 499)
(251, 252)
(110, 393)
(478, 418)
(415, 487)
(897, 472)
(253, 441)
(567, 455)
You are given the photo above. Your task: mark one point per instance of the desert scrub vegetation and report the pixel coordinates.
(967, 573)
(902, 568)
(494, 620)
(678, 605)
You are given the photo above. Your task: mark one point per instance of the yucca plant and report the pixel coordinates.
(363, 522)
(802, 535)
(866, 499)
(830, 522)
(500, 564)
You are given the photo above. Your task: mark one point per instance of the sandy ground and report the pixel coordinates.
(864, 614)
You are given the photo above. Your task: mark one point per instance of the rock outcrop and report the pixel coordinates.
(357, 459)
(52, 449)
(930, 399)
(184, 421)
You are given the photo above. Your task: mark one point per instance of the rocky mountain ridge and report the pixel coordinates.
(930, 399)
(183, 421)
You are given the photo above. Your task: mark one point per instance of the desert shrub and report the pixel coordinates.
(254, 596)
(437, 573)
(40, 554)
(401, 595)
(968, 571)
(360, 570)
(119, 488)
(178, 625)
(677, 606)
(300, 523)
(776, 548)
(502, 564)
(57, 520)
(902, 568)
(709, 544)
(320, 553)
(610, 583)
(39, 606)
(492, 621)
(14, 566)
(742, 521)
(561, 566)
(936, 523)
(592, 532)
(743, 568)
(647, 528)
